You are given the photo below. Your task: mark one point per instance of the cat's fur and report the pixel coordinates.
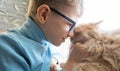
(103, 49)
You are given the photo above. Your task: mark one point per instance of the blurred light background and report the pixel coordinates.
(106, 10)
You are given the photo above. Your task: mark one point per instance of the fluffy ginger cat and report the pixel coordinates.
(103, 48)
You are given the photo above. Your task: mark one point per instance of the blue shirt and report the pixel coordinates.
(25, 49)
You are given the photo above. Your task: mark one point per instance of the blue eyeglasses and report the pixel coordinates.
(67, 18)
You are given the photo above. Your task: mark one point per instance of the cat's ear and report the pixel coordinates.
(95, 25)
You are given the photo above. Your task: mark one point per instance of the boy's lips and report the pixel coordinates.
(63, 39)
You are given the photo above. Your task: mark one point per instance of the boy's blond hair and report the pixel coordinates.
(34, 4)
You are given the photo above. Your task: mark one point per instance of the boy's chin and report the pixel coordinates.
(57, 43)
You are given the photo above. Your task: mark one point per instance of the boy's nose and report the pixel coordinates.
(70, 34)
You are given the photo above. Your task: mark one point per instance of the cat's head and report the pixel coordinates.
(84, 32)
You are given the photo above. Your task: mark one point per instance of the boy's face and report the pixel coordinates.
(57, 24)
(60, 27)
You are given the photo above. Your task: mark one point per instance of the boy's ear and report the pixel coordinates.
(43, 13)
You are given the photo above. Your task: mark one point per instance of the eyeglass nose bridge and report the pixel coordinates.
(73, 25)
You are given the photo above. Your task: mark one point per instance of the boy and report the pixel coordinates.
(48, 22)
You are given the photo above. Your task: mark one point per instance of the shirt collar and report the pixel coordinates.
(31, 30)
